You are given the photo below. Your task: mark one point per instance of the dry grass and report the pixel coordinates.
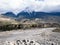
(57, 30)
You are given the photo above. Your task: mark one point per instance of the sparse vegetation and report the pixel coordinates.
(8, 26)
(57, 30)
(12, 24)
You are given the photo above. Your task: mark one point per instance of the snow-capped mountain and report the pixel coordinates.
(32, 15)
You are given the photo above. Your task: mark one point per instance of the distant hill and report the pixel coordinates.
(7, 20)
(9, 14)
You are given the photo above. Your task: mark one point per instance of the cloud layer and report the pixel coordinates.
(17, 6)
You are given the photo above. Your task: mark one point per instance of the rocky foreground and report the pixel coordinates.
(41, 36)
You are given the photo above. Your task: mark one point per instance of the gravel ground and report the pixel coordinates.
(40, 36)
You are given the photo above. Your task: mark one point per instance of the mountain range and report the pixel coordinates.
(31, 15)
(52, 16)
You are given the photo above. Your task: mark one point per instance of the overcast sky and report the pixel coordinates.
(17, 6)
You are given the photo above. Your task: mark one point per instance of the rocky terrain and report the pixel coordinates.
(41, 36)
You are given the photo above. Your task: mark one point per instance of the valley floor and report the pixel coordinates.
(40, 36)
